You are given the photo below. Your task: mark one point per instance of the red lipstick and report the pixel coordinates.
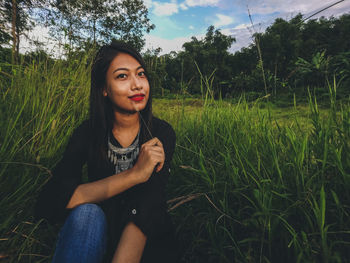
(137, 97)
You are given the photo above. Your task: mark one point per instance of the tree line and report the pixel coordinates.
(288, 57)
(295, 55)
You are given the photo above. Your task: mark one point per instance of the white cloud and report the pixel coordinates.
(227, 31)
(167, 45)
(243, 39)
(242, 32)
(201, 2)
(165, 9)
(148, 3)
(271, 6)
(242, 35)
(183, 6)
(335, 11)
(286, 9)
(242, 26)
(223, 20)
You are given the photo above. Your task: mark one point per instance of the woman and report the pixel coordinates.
(119, 215)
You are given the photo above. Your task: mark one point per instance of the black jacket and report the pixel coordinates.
(143, 204)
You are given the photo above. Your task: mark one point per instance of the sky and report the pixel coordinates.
(176, 21)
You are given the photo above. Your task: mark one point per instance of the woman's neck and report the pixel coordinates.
(125, 127)
(126, 122)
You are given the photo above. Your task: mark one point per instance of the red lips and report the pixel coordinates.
(137, 97)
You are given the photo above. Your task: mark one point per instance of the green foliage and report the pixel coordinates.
(340, 65)
(295, 55)
(5, 55)
(315, 72)
(156, 70)
(261, 183)
(15, 20)
(5, 37)
(269, 190)
(300, 54)
(97, 22)
(41, 103)
(209, 54)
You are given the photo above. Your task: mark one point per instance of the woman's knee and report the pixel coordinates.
(87, 215)
(83, 236)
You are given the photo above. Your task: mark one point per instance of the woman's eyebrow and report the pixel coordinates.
(127, 69)
(121, 69)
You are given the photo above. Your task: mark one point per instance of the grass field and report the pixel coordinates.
(251, 182)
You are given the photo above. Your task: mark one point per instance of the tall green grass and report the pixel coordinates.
(250, 186)
(281, 190)
(41, 104)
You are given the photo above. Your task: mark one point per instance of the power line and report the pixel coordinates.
(323, 9)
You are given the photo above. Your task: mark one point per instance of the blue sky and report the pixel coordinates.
(178, 20)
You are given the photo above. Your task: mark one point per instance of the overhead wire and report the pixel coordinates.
(323, 9)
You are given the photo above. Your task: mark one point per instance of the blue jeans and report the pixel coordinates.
(83, 237)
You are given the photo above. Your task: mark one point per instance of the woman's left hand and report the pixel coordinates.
(151, 158)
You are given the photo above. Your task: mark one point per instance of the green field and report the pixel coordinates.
(251, 182)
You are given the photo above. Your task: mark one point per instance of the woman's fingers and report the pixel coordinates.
(153, 145)
(153, 141)
(158, 157)
(152, 148)
(152, 153)
(159, 166)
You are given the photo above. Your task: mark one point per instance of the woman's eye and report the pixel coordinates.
(121, 76)
(142, 74)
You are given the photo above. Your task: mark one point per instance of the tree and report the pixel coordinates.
(16, 15)
(156, 69)
(211, 55)
(280, 45)
(64, 18)
(128, 23)
(294, 52)
(97, 21)
(5, 37)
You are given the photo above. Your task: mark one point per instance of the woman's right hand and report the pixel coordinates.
(151, 155)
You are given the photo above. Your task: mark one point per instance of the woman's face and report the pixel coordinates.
(126, 84)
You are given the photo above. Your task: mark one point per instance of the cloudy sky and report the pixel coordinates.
(177, 20)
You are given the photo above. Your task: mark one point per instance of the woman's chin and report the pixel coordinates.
(130, 110)
(139, 107)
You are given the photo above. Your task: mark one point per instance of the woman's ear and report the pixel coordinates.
(104, 92)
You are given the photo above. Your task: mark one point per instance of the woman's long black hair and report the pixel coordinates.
(101, 111)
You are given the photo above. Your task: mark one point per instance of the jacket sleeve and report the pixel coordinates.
(148, 210)
(56, 193)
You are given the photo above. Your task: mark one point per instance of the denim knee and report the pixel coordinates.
(83, 236)
(86, 215)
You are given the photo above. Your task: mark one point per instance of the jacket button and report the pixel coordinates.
(169, 170)
(133, 211)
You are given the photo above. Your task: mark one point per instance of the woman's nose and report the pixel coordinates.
(137, 83)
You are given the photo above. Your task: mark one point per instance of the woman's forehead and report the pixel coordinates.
(124, 60)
